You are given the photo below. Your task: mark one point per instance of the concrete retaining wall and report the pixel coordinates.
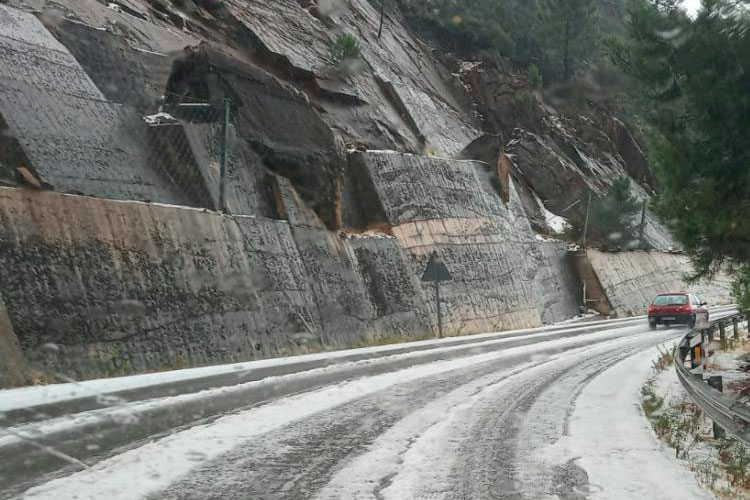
(13, 369)
(631, 280)
(121, 287)
(503, 278)
(99, 287)
(126, 286)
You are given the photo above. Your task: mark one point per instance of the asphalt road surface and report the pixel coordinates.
(547, 413)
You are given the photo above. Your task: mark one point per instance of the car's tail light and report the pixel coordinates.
(685, 309)
(651, 309)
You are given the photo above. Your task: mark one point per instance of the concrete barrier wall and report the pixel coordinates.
(631, 280)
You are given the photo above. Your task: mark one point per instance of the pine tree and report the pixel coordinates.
(568, 30)
(694, 73)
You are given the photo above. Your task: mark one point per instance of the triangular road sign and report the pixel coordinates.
(436, 270)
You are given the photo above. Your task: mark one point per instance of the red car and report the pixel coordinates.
(677, 308)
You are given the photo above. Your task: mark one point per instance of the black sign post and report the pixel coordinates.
(436, 272)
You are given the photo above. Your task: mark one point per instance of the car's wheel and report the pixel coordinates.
(652, 324)
(691, 322)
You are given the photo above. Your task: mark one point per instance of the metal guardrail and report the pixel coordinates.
(723, 409)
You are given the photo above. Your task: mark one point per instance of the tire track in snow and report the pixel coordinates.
(414, 458)
(298, 443)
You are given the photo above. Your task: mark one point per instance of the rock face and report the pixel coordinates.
(269, 116)
(340, 182)
(560, 158)
(631, 280)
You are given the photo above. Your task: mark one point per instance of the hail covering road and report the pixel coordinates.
(548, 413)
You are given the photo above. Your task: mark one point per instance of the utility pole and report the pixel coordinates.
(586, 224)
(224, 148)
(642, 227)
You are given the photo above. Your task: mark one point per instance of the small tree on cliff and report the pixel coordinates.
(611, 219)
(344, 54)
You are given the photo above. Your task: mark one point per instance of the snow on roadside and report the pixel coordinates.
(611, 439)
(24, 397)
(731, 363)
(159, 463)
(685, 428)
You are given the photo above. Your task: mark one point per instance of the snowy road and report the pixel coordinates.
(550, 414)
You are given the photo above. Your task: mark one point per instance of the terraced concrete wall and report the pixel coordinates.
(502, 277)
(123, 286)
(95, 287)
(632, 279)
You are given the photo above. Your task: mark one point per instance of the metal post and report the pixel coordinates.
(718, 384)
(586, 224)
(224, 148)
(736, 331)
(436, 271)
(439, 311)
(643, 223)
(722, 333)
(585, 300)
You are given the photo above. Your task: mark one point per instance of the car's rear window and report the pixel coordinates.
(671, 300)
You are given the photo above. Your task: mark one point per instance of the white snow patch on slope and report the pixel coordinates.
(556, 223)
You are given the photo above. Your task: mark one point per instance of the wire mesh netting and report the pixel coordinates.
(179, 151)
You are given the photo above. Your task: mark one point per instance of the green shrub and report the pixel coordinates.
(535, 77)
(344, 48)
